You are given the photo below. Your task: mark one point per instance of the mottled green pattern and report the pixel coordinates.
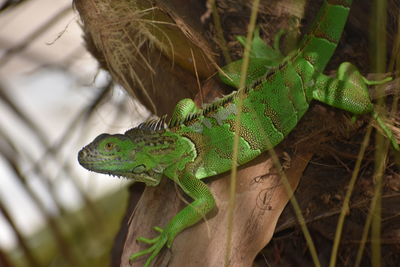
(199, 143)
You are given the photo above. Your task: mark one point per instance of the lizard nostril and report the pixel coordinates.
(82, 154)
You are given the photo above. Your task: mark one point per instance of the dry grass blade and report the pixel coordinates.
(235, 151)
(378, 56)
(219, 31)
(346, 207)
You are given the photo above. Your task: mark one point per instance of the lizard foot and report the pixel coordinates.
(157, 244)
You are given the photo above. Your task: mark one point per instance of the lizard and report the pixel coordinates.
(198, 143)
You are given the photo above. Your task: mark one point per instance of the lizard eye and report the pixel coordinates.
(109, 146)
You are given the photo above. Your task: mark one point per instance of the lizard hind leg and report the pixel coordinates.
(348, 71)
(349, 91)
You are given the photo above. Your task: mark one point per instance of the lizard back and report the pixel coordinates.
(272, 105)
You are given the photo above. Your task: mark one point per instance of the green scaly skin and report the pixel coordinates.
(199, 143)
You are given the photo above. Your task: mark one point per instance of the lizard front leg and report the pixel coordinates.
(182, 109)
(191, 214)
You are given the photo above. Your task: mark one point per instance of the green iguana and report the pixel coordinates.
(198, 143)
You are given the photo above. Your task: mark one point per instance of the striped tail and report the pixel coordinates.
(320, 43)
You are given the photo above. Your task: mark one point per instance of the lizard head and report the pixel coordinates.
(137, 154)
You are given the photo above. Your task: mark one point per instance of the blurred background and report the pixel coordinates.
(54, 100)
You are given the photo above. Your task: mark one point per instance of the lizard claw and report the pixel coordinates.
(157, 244)
(151, 241)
